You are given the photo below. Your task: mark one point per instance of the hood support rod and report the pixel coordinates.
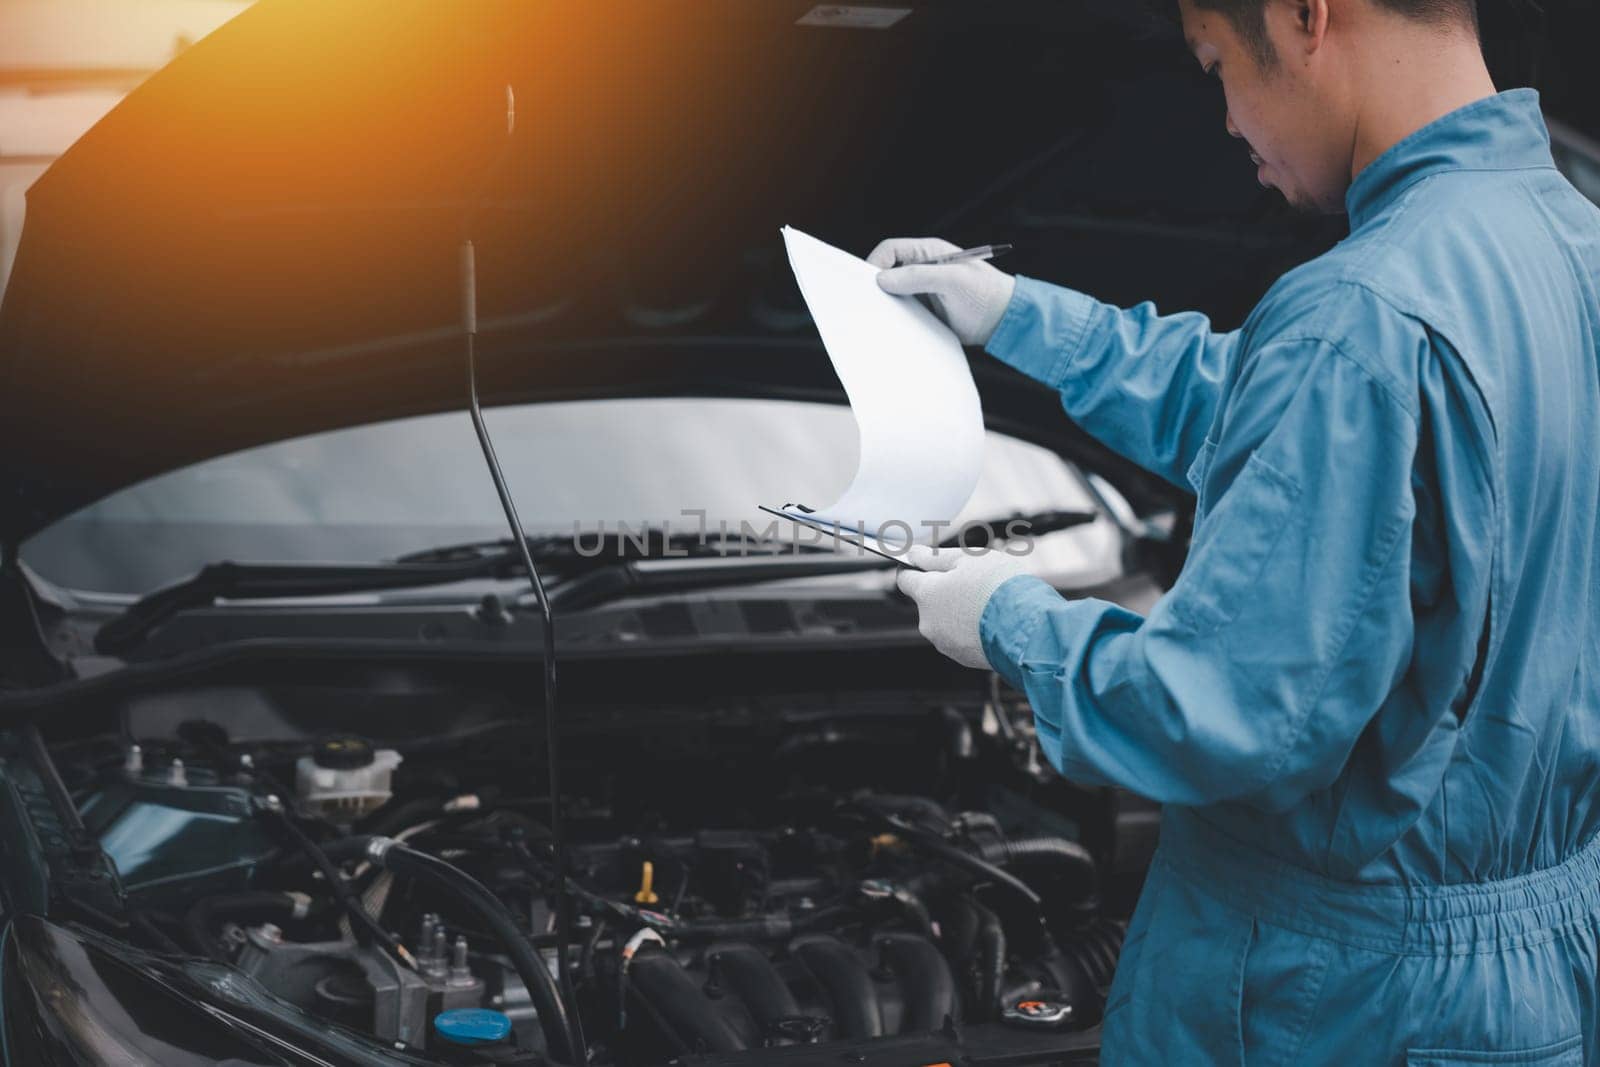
(560, 895)
(552, 732)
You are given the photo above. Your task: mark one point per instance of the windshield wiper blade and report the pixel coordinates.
(464, 550)
(435, 566)
(981, 532)
(624, 578)
(601, 548)
(244, 581)
(628, 579)
(591, 578)
(592, 548)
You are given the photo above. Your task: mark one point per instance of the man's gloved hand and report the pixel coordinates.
(951, 592)
(970, 296)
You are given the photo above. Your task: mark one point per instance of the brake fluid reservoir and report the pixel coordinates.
(344, 777)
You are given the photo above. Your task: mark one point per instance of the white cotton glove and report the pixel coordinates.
(970, 296)
(951, 591)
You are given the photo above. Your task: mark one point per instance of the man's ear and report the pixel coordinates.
(1311, 18)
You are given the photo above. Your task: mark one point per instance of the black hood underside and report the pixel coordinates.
(262, 241)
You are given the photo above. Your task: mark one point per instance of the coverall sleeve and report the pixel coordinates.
(1289, 626)
(1145, 385)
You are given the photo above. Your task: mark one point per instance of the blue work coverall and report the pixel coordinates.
(1371, 702)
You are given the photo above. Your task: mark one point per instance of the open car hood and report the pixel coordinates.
(262, 240)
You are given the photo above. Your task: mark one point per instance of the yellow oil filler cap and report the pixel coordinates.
(647, 878)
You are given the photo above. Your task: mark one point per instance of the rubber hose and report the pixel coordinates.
(1093, 953)
(959, 857)
(1098, 947)
(389, 820)
(590, 945)
(991, 960)
(363, 927)
(1080, 972)
(240, 907)
(915, 910)
(346, 849)
(1057, 851)
(452, 881)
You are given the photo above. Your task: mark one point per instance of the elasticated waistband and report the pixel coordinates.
(1448, 920)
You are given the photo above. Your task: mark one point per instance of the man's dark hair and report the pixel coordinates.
(1249, 18)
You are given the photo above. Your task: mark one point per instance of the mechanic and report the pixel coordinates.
(1371, 701)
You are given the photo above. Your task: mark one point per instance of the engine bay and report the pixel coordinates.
(871, 870)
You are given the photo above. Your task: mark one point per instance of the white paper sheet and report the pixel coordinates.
(910, 389)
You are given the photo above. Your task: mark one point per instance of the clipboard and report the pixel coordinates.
(833, 529)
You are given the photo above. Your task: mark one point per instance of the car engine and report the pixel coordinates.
(788, 887)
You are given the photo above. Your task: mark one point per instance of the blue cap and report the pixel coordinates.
(472, 1026)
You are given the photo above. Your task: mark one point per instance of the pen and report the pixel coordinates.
(980, 252)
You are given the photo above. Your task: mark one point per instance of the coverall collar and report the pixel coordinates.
(1501, 132)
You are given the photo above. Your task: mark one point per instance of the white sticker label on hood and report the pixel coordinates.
(853, 16)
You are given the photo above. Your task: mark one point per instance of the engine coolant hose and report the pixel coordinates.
(366, 930)
(451, 881)
(957, 856)
(991, 959)
(247, 907)
(1059, 852)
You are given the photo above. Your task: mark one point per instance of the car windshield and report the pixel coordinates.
(377, 491)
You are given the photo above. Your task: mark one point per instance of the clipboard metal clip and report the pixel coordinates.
(833, 529)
